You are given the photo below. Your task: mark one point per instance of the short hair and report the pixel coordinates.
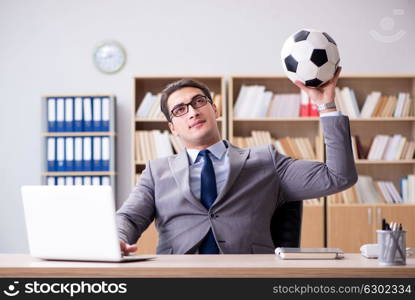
(177, 85)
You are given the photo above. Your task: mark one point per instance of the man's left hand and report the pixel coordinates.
(322, 94)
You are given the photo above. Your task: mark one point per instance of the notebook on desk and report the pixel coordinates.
(308, 253)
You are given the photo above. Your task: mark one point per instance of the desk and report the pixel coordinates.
(254, 265)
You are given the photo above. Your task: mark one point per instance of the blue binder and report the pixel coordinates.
(69, 154)
(60, 115)
(87, 154)
(87, 111)
(105, 153)
(60, 154)
(105, 114)
(97, 165)
(97, 114)
(51, 154)
(69, 106)
(78, 108)
(51, 108)
(78, 154)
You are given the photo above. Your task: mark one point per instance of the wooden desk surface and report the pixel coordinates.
(263, 265)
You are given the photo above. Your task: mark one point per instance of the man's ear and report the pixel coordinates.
(172, 129)
(216, 110)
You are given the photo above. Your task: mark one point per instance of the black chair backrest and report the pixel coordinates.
(286, 224)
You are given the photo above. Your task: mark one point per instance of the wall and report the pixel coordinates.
(46, 48)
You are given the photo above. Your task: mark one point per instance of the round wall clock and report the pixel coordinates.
(109, 57)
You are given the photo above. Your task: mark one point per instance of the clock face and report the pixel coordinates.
(109, 57)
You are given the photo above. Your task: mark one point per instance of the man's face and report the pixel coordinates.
(196, 127)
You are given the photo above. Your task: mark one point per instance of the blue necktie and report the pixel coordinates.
(208, 194)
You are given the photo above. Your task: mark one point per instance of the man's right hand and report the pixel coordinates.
(126, 248)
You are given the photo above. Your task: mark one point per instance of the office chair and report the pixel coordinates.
(286, 224)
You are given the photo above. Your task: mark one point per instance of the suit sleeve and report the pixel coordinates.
(138, 211)
(301, 179)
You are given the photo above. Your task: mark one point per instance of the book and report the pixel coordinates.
(308, 253)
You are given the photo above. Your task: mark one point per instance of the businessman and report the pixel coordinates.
(215, 198)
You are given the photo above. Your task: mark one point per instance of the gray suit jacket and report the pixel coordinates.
(259, 178)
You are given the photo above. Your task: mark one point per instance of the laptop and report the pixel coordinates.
(73, 223)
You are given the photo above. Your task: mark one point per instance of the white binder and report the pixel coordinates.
(87, 180)
(61, 180)
(69, 180)
(96, 180)
(105, 180)
(51, 180)
(78, 180)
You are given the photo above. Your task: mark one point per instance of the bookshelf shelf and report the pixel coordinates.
(103, 133)
(79, 173)
(304, 119)
(408, 205)
(386, 162)
(387, 119)
(162, 120)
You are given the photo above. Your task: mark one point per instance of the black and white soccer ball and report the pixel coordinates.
(310, 56)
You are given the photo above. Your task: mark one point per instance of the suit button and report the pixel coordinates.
(212, 216)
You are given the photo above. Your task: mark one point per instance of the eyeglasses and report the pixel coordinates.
(198, 101)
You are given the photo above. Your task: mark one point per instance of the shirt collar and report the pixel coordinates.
(217, 150)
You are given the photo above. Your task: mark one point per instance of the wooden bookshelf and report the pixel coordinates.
(155, 84)
(351, 225)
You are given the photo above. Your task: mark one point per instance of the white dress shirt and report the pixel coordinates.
(220, 160)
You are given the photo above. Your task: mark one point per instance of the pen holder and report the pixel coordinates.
(392, 247)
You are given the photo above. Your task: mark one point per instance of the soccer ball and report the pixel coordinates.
(310, 56)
